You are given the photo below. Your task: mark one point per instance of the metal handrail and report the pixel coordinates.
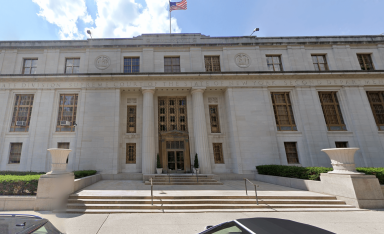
(246, 191)
(151, 190)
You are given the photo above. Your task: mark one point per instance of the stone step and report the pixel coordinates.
(323, 197)
(183, 183)
(183, 179)
(195, 206)
(202, 201)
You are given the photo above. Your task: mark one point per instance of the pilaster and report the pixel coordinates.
(148, 135)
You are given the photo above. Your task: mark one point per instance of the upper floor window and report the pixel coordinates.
(332, 112)
(320, 62)
(214, 116)
(72, 65)
(212, 63)
(171, 64)
(67, 113)
(30, 66)
(376, 99)
(365, 61)
(131, 65)
(274, 63)
(22, 111)
(282, 108)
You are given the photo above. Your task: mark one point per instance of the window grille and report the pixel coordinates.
(171, 64)
(67, 113)
(212, 63)
(15, 153)
(131, 153)
(30, 66)
(282, 108)
(340, 144)
(218, 153)
(22, 111)
(131, 119)
(291, 152)
(320, 62)
(131, 65)
(274, 63)
(365, 61)
(175, 144)
(72, 65)
(173, 114)
(214, 117)
(332, 112)
(376, 99)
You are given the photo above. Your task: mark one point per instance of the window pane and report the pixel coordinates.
(321, 59)
(34, 63)
(27, 63)
(33, 70)
(69, 62)
(314, 59)
(75, 70)
(68, 70)
(277, 67)
(27, 70)
(76, 62)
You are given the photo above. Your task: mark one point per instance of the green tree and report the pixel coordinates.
(158, 161)
(196, 164)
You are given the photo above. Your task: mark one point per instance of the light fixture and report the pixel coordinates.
(255, 30)
(90, 33)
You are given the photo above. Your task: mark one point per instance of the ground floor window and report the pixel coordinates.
(15, 153)
(341, 144)
(218, 153)
(291, 152)
(131, 153)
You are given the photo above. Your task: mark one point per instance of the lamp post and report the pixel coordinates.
(255, 30)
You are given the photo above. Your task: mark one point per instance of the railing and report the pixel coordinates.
(246, 191)
(151, 190)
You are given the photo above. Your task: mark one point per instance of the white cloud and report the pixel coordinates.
(65, 14)
(127, 18)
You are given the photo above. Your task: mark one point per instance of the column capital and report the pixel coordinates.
(198, 90)
(148, 90)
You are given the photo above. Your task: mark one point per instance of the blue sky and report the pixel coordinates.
(69, 19)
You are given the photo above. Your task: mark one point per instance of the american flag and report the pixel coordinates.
(173, 6)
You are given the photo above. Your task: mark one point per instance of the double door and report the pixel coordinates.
(176, 161)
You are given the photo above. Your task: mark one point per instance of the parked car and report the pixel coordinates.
(25, 224)
(263, 226)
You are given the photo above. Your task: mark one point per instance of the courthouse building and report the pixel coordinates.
(236, 102)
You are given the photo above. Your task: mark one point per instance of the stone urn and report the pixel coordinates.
(59, 160)
(342, 160)
(159, 170)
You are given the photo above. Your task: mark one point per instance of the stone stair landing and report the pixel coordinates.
(183, 179)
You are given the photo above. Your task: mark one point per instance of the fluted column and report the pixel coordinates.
(148, 135)
(200, 131)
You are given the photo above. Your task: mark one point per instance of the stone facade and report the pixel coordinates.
(242, 91)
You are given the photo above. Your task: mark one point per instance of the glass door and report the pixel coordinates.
(171, 160)
(180, 160)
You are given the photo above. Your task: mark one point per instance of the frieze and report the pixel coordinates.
(192, 83)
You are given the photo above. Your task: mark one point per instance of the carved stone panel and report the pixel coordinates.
(213, 100)
(102, 62)
(242, 60)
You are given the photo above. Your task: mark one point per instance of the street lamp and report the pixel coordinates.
(255, 30)
(89, 32)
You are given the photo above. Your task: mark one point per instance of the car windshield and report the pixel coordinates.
(46, 228)
(228, 228)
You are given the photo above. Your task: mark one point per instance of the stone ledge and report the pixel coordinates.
(13, 203)
(86, 181)
(122, 176)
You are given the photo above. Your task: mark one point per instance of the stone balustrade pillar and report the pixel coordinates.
(148, 135)
(200, 131)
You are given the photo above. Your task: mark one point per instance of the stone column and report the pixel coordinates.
(148, 135)
(200, 131)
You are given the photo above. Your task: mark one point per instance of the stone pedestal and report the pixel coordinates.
(55, 186)
(200, 131)
(357, 189)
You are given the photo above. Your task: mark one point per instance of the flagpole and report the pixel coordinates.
(170, 15)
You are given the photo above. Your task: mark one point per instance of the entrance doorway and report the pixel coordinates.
(176, 161)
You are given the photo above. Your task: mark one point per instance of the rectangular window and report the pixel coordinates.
(72, 65)
(341, 144)
(171, 64)
(365, 61)
(15, 153)
(131, 119)
(131, 153)
(212, 63)
(274, 63)
(291, 152)
(376, 99)
(214, 117)
(131, 65)
(332, 112)
(29, 66)
(22, 111)
(67, 113)
(320, 62)
(218, 153)
(282, 108)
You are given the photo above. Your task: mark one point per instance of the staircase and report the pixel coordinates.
(183, 179)
(197, 204)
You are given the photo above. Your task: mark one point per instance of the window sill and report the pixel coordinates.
(64, 134)
(339, 133)
(17, 133)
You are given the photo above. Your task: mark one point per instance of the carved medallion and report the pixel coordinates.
(242, 60)
(102, 62)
